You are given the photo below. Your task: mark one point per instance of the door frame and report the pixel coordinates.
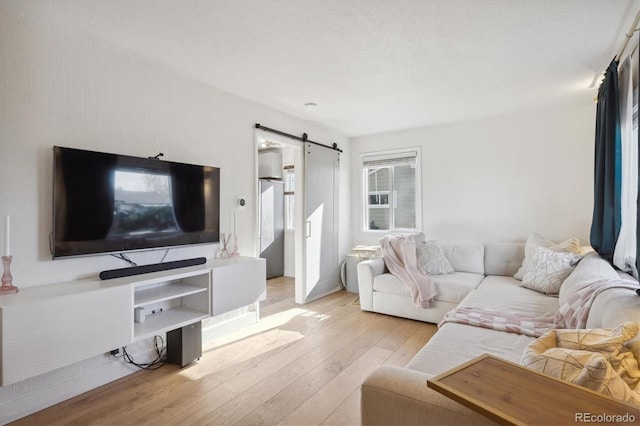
(298, 154)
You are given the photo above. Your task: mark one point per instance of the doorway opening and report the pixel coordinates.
(279, 191)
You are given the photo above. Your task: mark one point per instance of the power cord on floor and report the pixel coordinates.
(159, 361)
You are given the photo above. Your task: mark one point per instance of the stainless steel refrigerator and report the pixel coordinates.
(271, 212)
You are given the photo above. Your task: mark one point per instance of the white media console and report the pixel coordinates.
(47, 327)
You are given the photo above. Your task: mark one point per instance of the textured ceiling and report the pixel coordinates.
(370, 65)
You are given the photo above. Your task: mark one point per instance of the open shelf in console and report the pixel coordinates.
(161, 293)
(166, 320)
(171, 300)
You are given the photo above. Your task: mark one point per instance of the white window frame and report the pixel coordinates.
(379, 205)
(289, 200)
(390, 155)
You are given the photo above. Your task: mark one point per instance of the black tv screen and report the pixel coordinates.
(109, 203)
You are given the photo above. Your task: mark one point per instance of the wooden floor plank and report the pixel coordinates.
(281, 380)
(285, 402)
(412, 344)
(319, 406)
(347, 413)
(299, 364)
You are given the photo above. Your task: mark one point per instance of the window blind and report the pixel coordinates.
(399, 159)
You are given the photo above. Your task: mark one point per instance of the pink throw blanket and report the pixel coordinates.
(400, 257)
(571, 315)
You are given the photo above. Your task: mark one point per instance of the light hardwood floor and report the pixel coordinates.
(300, 365)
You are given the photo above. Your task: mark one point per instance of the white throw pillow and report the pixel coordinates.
(572, 245)
(419, 237)
(432, 259)
(548, 269)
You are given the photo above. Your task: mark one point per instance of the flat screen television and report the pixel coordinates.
(110, 203)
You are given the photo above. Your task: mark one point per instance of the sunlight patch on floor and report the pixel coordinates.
(312, 314)
(265, 324)
(276, 338)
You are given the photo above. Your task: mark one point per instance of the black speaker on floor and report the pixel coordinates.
(184, 345)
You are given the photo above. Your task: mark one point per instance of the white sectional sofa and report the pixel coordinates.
(399, 395)
(383, 292)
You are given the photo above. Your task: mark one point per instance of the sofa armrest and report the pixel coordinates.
(400, 396)
(367, 271)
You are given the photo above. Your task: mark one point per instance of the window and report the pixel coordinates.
(391, 190)
(289, 192)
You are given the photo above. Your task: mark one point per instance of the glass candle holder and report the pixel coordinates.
(7, 286)
(234, 248)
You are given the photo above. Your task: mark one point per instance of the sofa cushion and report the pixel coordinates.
(503, 258)
(450, 288)
(465, 257)
(455, 344)
(614, 307)
(506, 295)
(590, 269)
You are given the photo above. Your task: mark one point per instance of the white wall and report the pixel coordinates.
(498, 179)
(58, 88)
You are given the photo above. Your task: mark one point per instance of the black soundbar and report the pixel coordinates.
(154, 267)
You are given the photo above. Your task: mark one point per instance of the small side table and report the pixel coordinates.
(511, 394)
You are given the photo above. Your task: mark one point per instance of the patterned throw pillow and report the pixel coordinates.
(432, 259)
(572, 245)
(548, 269)
(596, 358)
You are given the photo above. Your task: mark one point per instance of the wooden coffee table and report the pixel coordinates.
(511, 394)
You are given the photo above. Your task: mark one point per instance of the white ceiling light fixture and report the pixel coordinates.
(270, 144)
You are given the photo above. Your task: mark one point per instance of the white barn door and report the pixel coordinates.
(321, 181)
